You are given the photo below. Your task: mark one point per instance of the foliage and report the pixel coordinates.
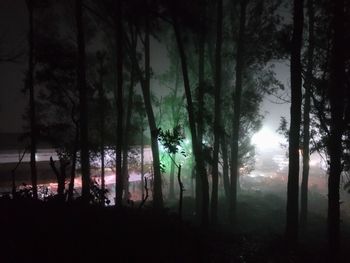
(172, 139)
(98, 196)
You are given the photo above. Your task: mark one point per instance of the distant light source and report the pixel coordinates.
(266, 139)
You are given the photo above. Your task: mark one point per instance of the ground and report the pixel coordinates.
(54, 232)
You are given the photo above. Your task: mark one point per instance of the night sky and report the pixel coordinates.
(13, 30)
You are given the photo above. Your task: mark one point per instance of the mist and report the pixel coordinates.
(207, 131)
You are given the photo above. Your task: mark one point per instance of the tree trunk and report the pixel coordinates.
(119, 184)
(175, 114)
(157, 183)
(102, 101)
(237, 94)
(126, 137)
(306, 129)
(73, 169)
(30, 85)
(195, 143)
(294, 132)
(82, 88)
(181, 189)
(225, 167)
(336, 93)
(217, 115)
(172, 179)
(145, 87)
(142, 163)
(200, 98)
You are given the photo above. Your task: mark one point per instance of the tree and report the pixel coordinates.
(30, 86)
(82, 88)
(306, 116)
(102, 110)
(294, 131)
(157, 187)
(119, 183)
(172, 106)
(171, 140)
(190, 110)
(217, 113)
(336, 98)
(237, 111)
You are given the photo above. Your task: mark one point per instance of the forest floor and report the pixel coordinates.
(54, 232)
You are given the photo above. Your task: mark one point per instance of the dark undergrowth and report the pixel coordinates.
(37, 231)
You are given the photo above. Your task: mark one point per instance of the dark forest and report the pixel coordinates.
(143, 131)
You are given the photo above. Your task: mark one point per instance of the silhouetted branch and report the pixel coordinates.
(146, 196)
(13, 173)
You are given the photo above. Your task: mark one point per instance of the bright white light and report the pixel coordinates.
(313, 162)
(266, 139)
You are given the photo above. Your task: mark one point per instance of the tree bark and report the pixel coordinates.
(200, 98)
(142, 163)
(102, 101)
(217, 115)
(119, 184)
(195, 143)
(172, 179)
(30, 86)
(336, 94)
(292, 223)
(237, 94)
(82, 88)
(306, 114)
(157, 184)
(126, 138)
(73, 167)
(145, 87)
(225, 167)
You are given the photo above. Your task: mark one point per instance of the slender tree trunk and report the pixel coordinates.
(30, 85)
(200, 98)
(225, 167)
(119, 184)
(126, 137)
(157, 183)
(73, 167)
(336, 93)
(294, 132)
(84, 142)
(145, 87)
(195, 143)
(175, 114)
(63, 175)
(102, 101)
(172, 179)
(181, 189)
(306, 129)
(142, 163)
(237, 94)
(217, 115)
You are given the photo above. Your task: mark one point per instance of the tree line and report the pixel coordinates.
(91, 88)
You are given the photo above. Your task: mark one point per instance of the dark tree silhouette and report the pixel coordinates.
(294, 131)
(119, 183)
(198, 154)
(237, 111)
(82, 88)
(336, 97)
(306, 116)
(200, 97)
(101, 71)
(30, 86)
(217, 113)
